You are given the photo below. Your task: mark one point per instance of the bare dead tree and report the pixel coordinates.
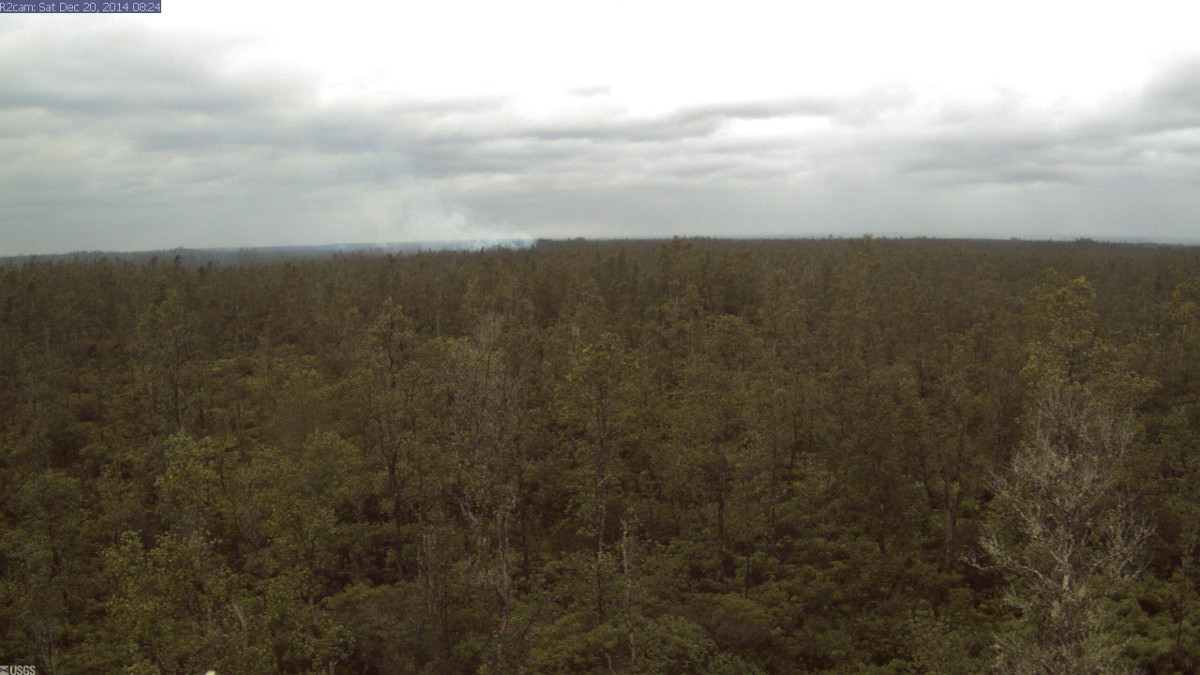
(629, 624)
(1065, 536)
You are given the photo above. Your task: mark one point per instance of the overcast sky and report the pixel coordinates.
(213, 124)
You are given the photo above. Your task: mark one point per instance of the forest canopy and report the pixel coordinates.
(838, 456)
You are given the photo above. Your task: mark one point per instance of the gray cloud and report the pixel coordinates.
(1171, 100)
(881, 164)
(120, 138)
(120, 70)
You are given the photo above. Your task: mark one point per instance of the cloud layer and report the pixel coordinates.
(116, 136)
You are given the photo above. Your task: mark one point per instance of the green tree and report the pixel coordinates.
(166, 349)
(596, 407)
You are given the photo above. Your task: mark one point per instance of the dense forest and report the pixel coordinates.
(686, 456)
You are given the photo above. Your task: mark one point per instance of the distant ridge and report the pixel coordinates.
(252, 254)
(196, 257)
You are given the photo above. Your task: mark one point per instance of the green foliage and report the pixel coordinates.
(635, 457)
